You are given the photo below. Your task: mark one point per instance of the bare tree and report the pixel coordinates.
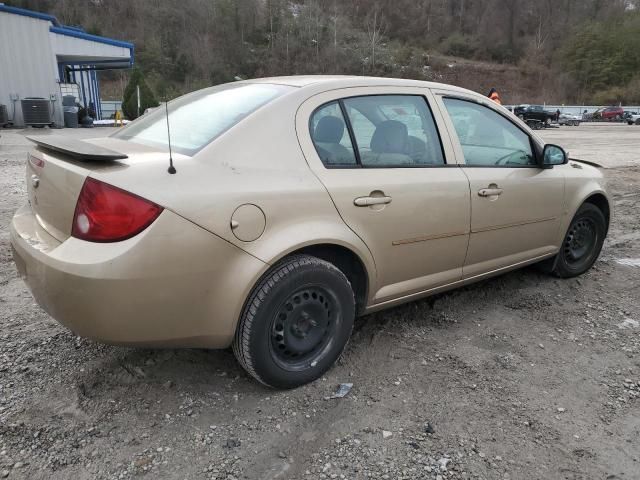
(375, 29)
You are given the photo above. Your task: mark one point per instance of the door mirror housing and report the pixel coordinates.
(553, 155)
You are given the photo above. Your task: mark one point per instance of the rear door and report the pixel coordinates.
(516, 205)
(394, 182)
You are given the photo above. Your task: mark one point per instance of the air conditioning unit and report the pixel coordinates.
(4, 116)
(36, 111)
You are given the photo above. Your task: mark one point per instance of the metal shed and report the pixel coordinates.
(39, 57)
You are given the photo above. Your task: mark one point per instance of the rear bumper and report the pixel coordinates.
(174, 284)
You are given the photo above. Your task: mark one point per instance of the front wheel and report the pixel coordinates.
(582, 243)
(295, 323)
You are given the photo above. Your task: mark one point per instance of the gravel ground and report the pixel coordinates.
(520, 377)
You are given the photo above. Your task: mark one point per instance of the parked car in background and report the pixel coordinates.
(628, 113)
(609, 114)
(273, 247)
(569, 119)
(535, 112)
(633, 119)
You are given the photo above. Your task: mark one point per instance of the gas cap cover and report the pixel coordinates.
(248, 222)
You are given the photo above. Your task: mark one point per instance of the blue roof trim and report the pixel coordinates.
(79, 29)
(92, 62)
(70, 32)
(29, 13)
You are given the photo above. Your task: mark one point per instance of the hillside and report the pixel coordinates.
(514, 84)
(549, 50)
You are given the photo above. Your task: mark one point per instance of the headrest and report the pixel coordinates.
(390, 136)
(329, 130)
(485, 133)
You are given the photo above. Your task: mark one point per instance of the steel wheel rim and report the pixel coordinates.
(304, 326)
(580, 241)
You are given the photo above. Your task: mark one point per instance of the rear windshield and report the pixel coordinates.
(197, 119)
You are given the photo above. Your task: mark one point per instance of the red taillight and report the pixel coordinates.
(36, 162)
(105, 213)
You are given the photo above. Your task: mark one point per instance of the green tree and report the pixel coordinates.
(130, 99)
(604, 57)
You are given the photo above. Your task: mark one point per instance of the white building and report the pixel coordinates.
(41, 58)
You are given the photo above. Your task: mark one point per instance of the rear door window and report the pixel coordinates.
(377, 131)
(330, 136)
(394, 131)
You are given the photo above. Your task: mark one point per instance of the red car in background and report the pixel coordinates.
(609, 113)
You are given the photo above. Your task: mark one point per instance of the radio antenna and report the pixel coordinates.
(171, 168)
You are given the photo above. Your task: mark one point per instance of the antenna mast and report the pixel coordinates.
(171, 168)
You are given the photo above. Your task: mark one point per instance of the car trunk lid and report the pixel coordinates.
(56, 171)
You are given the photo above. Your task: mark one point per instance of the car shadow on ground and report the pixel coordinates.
(148, 372)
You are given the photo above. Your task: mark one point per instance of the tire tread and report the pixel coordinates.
(558, 269)
(280, 270)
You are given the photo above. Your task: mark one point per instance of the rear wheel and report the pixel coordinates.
(582, 243)
(296, 322)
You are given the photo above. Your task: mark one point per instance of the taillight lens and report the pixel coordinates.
(105, 213)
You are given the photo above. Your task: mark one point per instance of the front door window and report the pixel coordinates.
(487, 138)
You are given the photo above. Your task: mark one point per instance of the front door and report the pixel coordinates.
(379, 154)
(516, 205)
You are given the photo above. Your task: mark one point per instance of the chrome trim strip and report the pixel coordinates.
(517, 224)
(424, 238)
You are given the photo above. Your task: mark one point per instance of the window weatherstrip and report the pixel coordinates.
(354, 143)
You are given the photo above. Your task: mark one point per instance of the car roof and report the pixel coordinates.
(332, 82)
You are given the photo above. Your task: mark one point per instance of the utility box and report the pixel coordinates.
(36, 111)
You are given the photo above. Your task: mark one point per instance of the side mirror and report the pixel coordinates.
(553, 155)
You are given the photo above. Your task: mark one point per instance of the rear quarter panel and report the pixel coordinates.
(258, 161)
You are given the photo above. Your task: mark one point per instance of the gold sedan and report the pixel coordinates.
(292, 205)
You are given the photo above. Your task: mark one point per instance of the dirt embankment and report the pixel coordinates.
(516, 84)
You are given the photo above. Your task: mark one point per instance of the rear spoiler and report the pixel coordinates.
(77, 149)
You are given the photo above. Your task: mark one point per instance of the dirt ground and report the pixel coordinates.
(520, 377)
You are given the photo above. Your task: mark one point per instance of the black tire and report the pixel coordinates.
(638, 121)
(295, 323)
(582, 243)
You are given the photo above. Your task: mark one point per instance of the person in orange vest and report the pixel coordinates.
(493, 95)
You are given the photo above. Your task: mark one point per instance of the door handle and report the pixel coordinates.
(368, 201)
(490, 192)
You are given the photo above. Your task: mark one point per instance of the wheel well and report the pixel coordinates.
(602, 203)
(348, 262)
